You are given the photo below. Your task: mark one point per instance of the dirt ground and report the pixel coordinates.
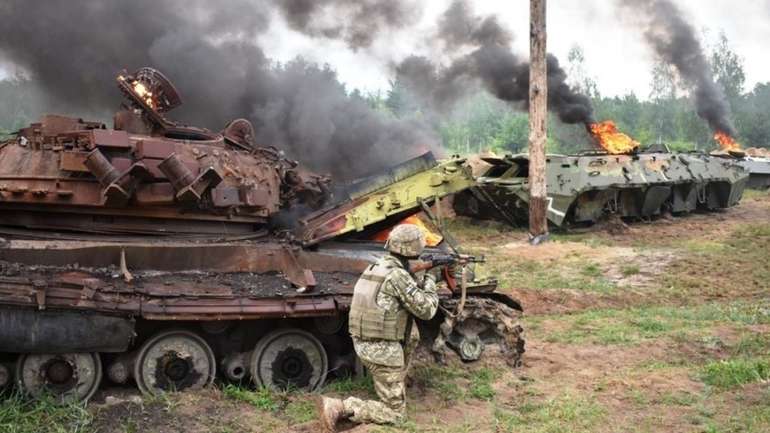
(664, 327)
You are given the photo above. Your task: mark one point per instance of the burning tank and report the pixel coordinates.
(153, 252)
(618, 180)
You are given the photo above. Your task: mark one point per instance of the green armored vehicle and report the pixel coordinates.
(584, 188)
(757, 164)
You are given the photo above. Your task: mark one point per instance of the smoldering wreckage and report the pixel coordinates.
(145, 253)
(148, 252)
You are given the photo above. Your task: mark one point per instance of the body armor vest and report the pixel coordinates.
(369, 321)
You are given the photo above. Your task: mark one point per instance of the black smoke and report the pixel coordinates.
(74, 48)
(675, 41)
(491, 61)
(357, 22)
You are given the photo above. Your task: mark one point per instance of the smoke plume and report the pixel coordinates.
(675, 41)
(73, 50)
(490, 60)
(357, 22)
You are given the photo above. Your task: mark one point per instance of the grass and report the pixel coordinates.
(734, 265)
(571, 273)
(262, 398)
(295, 407)
(681, 398)
(20, 415)
(591, 270)
(585, 238)
(455, 384)
(467, 230)
(752, 420)
(351, 385)
(635, 325)
(300, 411)
(565, 413)
(629, 270)
(481, 384)
(754, 194)
(513, 270)
(732, 373)
(752, 344)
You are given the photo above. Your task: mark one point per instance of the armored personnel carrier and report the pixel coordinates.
(757, 163)
(586, 187)
(164, 255)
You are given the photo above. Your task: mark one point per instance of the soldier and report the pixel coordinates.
(386, 299)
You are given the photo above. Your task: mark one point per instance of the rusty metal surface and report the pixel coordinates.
(29, 330)
(171, 296)
(147, 167)
(152, 221)
(180, 281)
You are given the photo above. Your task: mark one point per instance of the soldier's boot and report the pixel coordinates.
(330, 410)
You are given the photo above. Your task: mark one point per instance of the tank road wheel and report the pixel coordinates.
(289, 358)
(174, 361)
(5, 377)
(68, 378)
(483, 321)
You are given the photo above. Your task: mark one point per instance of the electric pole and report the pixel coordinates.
(538, 117)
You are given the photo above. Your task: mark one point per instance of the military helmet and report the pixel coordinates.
(407, 240)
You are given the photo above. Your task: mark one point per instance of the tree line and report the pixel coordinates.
(667, 115)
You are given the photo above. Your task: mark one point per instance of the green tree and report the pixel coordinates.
(663, 96)
(728, 69)
(753, 117)
(578, 74)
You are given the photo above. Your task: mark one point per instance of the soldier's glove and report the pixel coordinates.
(435, 274)
(429, 281)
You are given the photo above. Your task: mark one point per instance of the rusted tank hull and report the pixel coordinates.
(54, 293)
(156, 253)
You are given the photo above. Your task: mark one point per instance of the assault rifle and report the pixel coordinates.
(429, 261)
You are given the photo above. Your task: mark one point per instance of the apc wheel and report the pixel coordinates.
(289, 358)
(174, 361)
(68, 378)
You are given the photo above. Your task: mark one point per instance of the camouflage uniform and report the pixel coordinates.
(387, 360)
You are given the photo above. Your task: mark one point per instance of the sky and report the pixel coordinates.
(616, 55)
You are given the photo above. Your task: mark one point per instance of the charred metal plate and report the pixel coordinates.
(154, 149)
(111, 138)
(225, 196)
(73, 161)
(30, 331)
(155, 194)
(253, 196)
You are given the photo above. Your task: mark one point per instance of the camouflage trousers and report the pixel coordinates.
(390, 388)
(390, 385)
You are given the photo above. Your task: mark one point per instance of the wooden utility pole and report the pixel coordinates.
(538, 116)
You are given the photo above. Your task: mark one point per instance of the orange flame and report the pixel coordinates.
(726, 142)
(143, 93)
(431, 238)
(612, 140)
